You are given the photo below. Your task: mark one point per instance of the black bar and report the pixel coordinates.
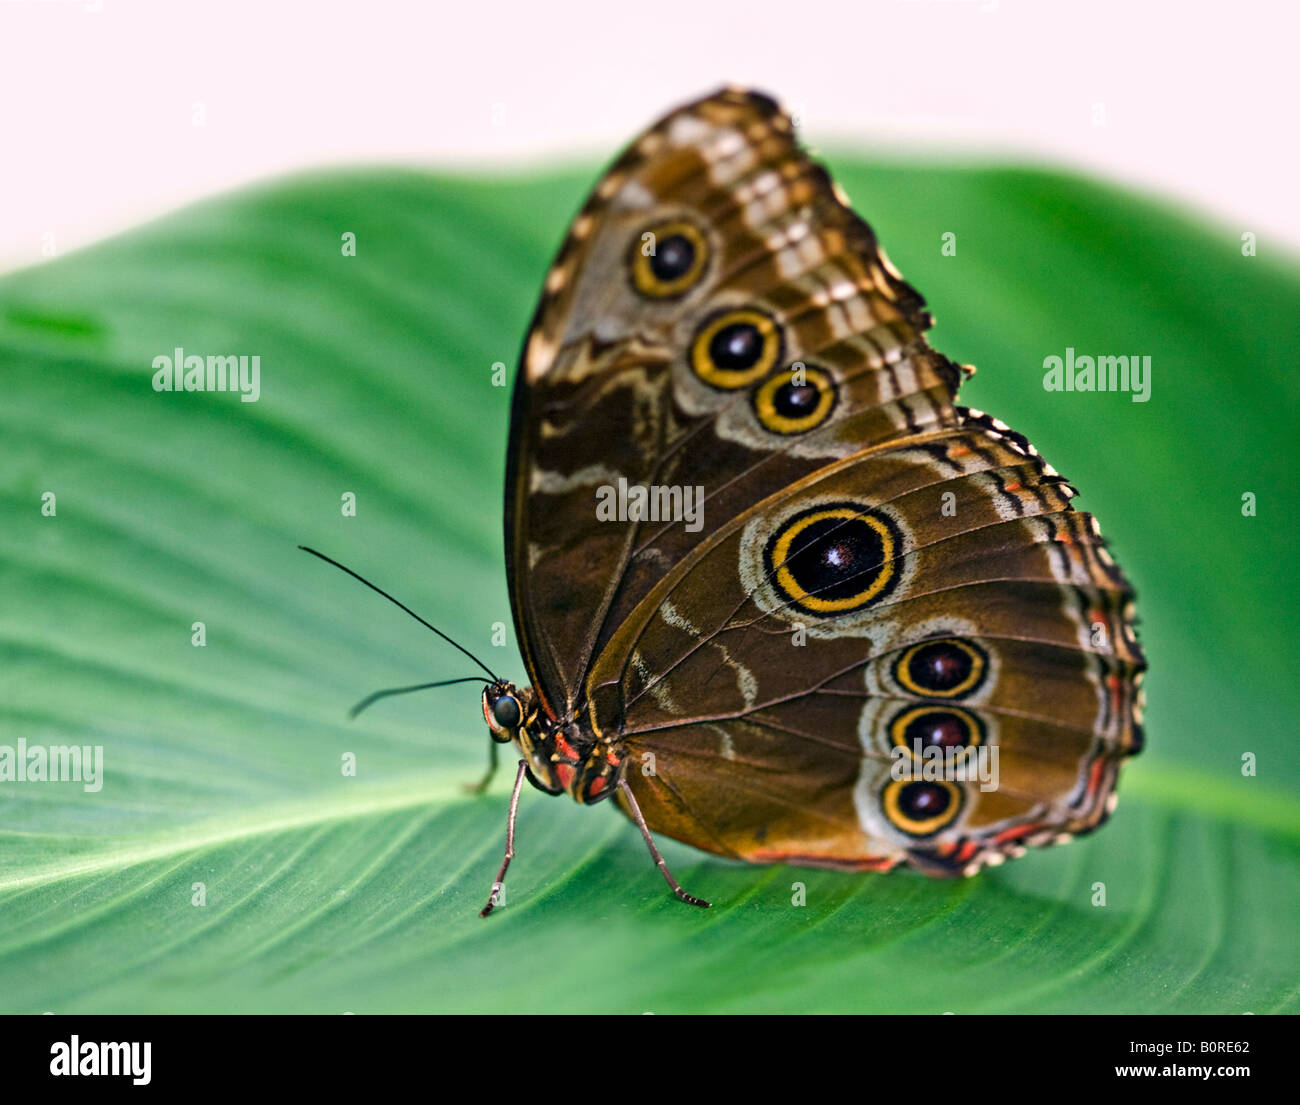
(340, 1054)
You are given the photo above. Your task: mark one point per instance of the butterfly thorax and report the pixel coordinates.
(562, 757)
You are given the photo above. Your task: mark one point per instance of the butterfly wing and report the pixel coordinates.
(714, 212)
(938, 592)
(719, 324)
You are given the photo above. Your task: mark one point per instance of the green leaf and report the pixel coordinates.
(324, 892)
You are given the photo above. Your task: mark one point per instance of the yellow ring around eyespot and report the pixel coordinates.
(898, 727)
(643, 275)
(909, 825)
(906, 681)
(765, 402)
(731, 378)
(785, 578)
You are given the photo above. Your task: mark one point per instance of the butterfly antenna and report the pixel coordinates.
(371, 699)
(403, 606)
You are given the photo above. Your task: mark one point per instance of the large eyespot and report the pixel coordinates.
(949, 668)
(940, 727)
(836, 558)
(921, 807)
(735, 348)
(796, 400)
(668, 259)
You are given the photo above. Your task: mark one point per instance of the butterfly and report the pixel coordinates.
(773, 588)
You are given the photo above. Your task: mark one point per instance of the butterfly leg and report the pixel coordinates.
(654, 852)
(510, 841)
(485, 782)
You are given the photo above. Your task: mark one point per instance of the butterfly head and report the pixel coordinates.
(559, 755)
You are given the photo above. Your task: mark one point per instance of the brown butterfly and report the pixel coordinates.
(778, 597)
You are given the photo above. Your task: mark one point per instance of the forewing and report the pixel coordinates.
(610, 396)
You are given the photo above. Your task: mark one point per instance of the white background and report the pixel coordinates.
(98, 97)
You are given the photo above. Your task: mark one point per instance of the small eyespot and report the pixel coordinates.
(942, 727)
(795, 401)
(947, 668)
(668, 259)
(921, 808)
(735, 348)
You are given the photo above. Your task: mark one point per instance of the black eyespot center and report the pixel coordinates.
(793, 400)
(832, 557)
(736, 347)
(939, 729)
(673, 258)
(921, 801)
(940, 666)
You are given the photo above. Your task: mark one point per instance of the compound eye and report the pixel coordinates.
(506, 712)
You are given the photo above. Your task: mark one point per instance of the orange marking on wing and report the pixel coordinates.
(1016, 832)
(1094, 776)
(953, 851)
(1012, 487)
(1116, 687)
